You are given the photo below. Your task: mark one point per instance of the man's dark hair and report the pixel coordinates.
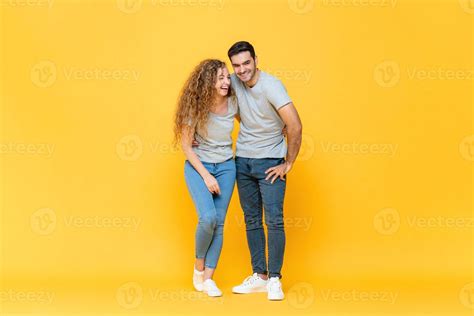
(239, 47)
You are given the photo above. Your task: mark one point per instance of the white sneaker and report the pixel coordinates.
(210, 287)
(251, 284)
(275, 293)
(198, 279)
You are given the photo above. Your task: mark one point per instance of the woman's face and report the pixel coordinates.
(223, 81)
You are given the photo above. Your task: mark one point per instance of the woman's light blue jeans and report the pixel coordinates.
(211, 208)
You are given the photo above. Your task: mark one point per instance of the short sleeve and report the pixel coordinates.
(234, 105)
(276, 93)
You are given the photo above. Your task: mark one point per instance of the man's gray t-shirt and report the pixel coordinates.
(216, 146)
(260, 134)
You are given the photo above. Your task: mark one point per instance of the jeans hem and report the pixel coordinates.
(210, 266)
(272, 275)
(261, 272)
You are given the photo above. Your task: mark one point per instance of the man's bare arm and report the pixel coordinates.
(294, 129)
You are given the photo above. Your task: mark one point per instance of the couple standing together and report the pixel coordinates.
(210, 101)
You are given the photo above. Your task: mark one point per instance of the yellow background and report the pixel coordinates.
(380, 201)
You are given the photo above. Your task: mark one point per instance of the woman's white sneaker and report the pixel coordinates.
(198, 279)
(251, 284)
(275, 293)
(210, 287)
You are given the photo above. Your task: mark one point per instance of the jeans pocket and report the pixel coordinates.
(273, 162)
(262, 165)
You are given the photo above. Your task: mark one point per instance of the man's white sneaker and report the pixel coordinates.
(275, 293)
(251, 284)
(198, 279)
(210, 287)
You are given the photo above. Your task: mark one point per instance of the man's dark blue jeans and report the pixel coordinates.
(256, 194)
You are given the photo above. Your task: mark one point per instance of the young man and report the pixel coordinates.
(264, 109)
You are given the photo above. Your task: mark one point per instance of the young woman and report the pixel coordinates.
(206, 111)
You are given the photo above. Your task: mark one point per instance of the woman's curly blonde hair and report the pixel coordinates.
(197, 97)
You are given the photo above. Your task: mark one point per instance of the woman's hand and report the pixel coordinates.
(212, 184)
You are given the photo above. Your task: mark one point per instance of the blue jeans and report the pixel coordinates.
(211, 208)
(256, 194)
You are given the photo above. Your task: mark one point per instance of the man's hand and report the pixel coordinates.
(278, 171)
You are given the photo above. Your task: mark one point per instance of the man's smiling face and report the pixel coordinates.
(244, 66)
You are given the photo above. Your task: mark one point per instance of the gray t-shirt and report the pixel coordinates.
(216, 146)
(260, 134)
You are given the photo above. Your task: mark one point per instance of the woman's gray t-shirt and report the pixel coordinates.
(216, 146)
